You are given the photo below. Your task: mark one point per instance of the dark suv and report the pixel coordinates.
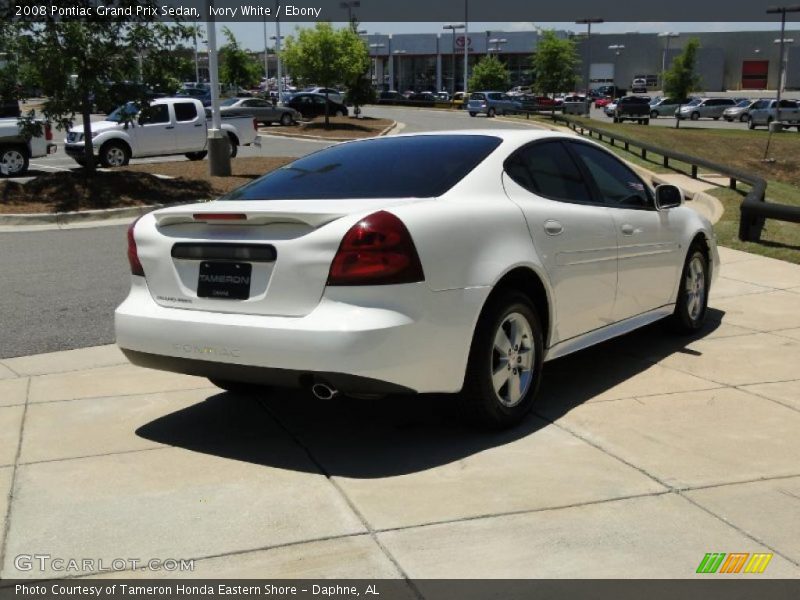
(633, 108)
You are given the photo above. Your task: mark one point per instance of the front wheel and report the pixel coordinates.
(114, 154)
(750, 123)
(505, 362)
(472, 114)
(339, 113)
(695, 116)
(690, 309)
(491, 113)
(653, 114)
(196, 155)
(14, 161)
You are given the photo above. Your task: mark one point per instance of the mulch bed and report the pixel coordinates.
(132, 186)
(340, 127)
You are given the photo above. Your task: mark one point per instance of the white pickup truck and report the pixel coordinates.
(16, 149)
(764, 112)
(171, 126)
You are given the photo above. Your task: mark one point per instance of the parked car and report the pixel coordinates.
(17, 148)
(460, 99)
(261, 110)
(602, 102)
(429, 263)
(423, 97)
(389, 96)
(609, 108)
(532, 102)
(665, 107)
(705, 108)
(639, 86)
(491, 104)
(632, 108)
(313, 105)
(333, 94)
(168, 126)
(740, 112)
(765, 112)
(442, 96)
(519, 90)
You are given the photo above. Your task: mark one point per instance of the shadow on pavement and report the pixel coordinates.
(360, 438)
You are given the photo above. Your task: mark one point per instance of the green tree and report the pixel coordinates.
(555, 64)
(326, 56)
(489, 74)
(236, 66)
(73, 61)
(680, 79)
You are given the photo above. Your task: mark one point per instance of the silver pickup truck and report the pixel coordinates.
(16, 148)
(765, 112)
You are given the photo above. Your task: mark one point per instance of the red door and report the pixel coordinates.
(754, 74)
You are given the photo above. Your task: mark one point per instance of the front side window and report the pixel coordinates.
(185, 111)
(618, 185)
(548, 170)
(156, 114)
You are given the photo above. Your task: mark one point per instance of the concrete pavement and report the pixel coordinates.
(644, 454)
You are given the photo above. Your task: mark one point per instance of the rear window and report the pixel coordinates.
(399, 167)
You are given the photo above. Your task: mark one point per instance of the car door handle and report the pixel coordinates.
(628, 229)
(552, 227)
(198, 124)
(169, 127)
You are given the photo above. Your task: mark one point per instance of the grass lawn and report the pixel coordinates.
(741, 149)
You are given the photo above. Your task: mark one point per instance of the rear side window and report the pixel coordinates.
(548, 170)
(619, 186)
(185, 111)
(477, 96)
(400, 167)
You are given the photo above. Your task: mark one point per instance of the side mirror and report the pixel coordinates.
(668, 196)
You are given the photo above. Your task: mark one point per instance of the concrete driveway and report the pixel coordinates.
(644, 454)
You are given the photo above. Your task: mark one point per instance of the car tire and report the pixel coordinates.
(234, 144)
(716, 118)
(744, 118)
(14, 159)
(240, 388)
(750, 123)
(491, 113)
(692, 303)
(653, 114)
(508, 333)
(695, 116)
(286, 119)
(646, 122)
(338, 113)
(114, 154)
(472, 114)
(196, 155)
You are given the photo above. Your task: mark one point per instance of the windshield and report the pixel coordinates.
(126, 112)
(694, 102)
(401, 167)
(744, 103)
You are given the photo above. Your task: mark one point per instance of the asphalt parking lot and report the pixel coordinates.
(643, 455)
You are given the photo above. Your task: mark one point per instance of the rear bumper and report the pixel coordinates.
(367, 340)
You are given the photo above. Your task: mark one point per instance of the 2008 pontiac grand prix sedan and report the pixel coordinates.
(455, 263)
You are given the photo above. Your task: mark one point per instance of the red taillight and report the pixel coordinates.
(378, 250)
(255, 124)
(219, 217)
(48, 132)
(133, 255)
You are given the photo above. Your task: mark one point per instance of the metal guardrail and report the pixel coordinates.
(754, 209)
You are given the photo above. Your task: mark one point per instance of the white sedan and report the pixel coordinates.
(442, 262)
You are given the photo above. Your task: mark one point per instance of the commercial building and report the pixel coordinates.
(740, 60)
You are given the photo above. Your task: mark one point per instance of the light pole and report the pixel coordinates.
(399, 70)
(617, 50)
(466, 45)
(219, 155)
(266, 59)
(453, 29)
(781, 10)
(785, 60)
(668, 35)
(349, 6)
(588, 22)
(278, 37)
(196, 60)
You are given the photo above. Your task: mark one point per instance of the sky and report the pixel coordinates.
(251, 35)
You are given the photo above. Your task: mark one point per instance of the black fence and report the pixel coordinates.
(754, 208)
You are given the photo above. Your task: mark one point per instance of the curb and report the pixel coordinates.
(303, 136)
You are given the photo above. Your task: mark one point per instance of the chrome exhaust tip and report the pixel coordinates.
(323, 391)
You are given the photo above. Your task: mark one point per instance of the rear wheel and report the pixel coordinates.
(196, 155)
(653, 114)
(505, 362)
(750, 123)
(286, 119)
(339, 113)
(240, 388)
(690, 309)
(647, 121)
(14, 161)
(234, 144)
(472, 114)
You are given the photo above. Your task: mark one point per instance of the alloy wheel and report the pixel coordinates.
(512, 359)
(13, 161)
(695, 286)
(115, 156)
